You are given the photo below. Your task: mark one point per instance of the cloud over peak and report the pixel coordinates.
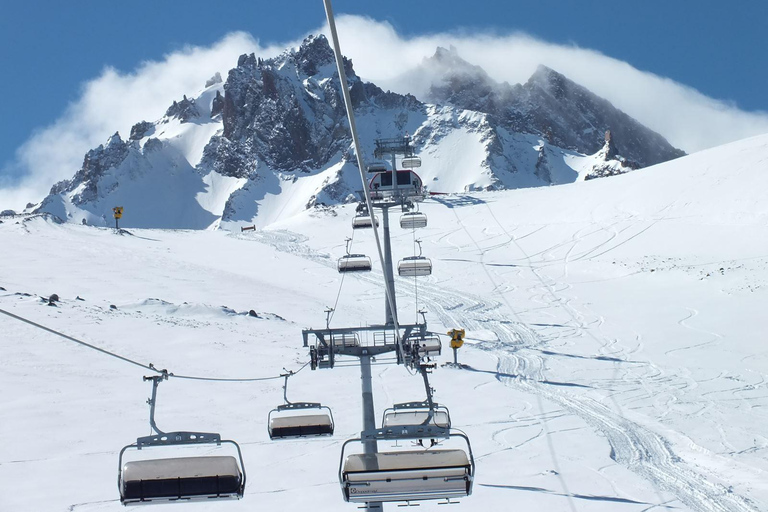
(115, 101)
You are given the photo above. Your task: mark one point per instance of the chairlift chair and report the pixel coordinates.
(299, 419)
(409, 475)
(179, 479)
(414, 266)
(354, 262)
(378, 166)
(428, 346)
(364, 221)
(413, 220)
(288, 421)
(411, 162)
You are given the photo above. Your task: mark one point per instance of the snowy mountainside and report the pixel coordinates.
(273, 140)
(615, 356)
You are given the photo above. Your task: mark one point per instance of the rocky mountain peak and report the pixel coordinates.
(313, 53)
(183, 110)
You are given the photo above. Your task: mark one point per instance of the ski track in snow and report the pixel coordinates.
(633, 446)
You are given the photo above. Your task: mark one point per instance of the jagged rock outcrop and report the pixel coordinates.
(141, 130)
(608, 161)
(566, 114)
(184, 110)
(217, 105)
(96, 163)
(278, 126)
(288, 111)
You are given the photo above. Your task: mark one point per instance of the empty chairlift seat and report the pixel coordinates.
(414, 266)
(293, 421)
(413, 220)
(411, 162)
(354, 263)
(364, 221)
(406, 476)
(180, 479)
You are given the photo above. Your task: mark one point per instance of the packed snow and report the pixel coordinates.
(615, 356)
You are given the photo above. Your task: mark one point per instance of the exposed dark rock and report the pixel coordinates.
(96, 163)
(152, 144)
(141, 130)
(285, 113)
(217, 105)
(183, 110)
(549, 104)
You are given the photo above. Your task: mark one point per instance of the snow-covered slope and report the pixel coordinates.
(616, 355)
(231, 154)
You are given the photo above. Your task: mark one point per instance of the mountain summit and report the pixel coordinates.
(273, 140)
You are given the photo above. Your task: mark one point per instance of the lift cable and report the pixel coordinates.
(550, 445)
(149, 366)
(389, 292)
(341, 284)
(416, 278)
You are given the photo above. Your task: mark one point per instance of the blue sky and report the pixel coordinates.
(49, 49)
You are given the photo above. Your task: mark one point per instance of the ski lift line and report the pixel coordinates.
(149, 366)
(571, 314)
(359, 154)
(341, 285)
(550, 445)
(80, 342)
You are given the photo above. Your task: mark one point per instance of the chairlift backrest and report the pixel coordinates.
(414, 266)
(183, 478)
(413, 220)
(354, 263)
(377, 167)
(406, 476)
(364, 221)
(411, 162)
(290, 421)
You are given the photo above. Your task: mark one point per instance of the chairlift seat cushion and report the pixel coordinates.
(300, 426)
(181, 478)
(406, 476)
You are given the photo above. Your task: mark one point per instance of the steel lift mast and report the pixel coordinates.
(367, 342)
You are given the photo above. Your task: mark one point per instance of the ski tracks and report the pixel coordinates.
(632, 445)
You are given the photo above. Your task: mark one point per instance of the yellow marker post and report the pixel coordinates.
(457, 340)
(118, 212)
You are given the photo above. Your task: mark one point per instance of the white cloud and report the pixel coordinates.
(687, 118)
(115, 101)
